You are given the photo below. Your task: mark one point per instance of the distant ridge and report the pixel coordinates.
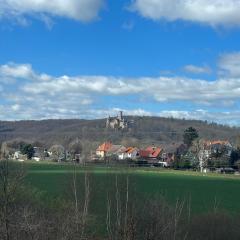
(145, 130)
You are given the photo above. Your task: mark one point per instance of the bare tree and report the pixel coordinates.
(81, 211)
(120, 221)
(11, 178)
(6, 150)
(75, 149)
(58, 152)
(85, 212)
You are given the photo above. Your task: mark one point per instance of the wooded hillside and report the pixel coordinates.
(144, 130)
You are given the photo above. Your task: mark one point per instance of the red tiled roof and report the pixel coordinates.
(116, 149)
(150, 152)
(150, 149)
(105, 147)
(130, 149)
(156, 152)
(144, 153)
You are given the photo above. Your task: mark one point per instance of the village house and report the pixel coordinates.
(19, 156)
(168, 155)
(210, 148)
(38, 154)
(171, 152)
(152, 154)
(102, 150)
(129, 153)
(115, 150)
(108, 149)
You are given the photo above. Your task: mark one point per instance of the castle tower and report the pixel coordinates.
(121, 115)
(116, 122)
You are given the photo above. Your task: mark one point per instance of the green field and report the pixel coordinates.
(201, 190)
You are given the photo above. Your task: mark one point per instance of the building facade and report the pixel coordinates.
(117, 123)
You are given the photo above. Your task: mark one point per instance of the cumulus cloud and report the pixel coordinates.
(80, 10)
(197, 69)
(16, 71)
(212, 12)
(21, 106)
(39, 95)
(161, 89)
(102, 113)
(229, 64)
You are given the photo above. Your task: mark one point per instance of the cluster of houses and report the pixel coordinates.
(202, 152)
(151, 154)
(56, 153)
(38, 155)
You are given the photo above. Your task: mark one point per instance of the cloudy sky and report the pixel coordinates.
(91, 58)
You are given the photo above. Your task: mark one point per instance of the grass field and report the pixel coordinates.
(203, 191)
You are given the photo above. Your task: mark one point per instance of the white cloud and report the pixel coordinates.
(133, 112)
(212, 12)
(103, 113)
(32, 106)
(80, 10)
(51, 110)
(38, 95)
(161, 89)
(229, 64)
(15, 107)
(197, 69)
(16, 71)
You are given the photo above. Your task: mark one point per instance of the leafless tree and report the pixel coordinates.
(11, 178)
(6, 150)
(75, 149)
(58, 152)
(120, 222)
(81, 211)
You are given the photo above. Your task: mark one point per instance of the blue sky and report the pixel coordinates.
(91, 58)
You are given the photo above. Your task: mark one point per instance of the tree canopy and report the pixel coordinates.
(190, 134)
(27, 149)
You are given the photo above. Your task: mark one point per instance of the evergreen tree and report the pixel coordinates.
(190, 134)
(28, 150)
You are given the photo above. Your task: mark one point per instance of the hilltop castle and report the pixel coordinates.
(117, 122)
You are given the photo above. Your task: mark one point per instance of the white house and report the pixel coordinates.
(210, 147)
(129, 153)
(19, 156)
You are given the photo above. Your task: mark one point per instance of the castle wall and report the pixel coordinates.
(117, 122)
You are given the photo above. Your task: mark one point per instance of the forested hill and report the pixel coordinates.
(144, 130)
